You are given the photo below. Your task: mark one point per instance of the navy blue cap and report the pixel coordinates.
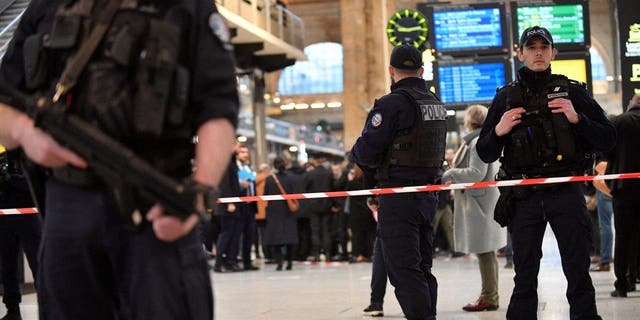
(406, 56)
(535, 31)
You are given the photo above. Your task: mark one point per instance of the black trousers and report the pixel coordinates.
(93, 267)
(246, 229)
(626, 204)
(16, 231)
(405, 229)
(565, 210)
(228, 240)
(378, 275)
(320, 223)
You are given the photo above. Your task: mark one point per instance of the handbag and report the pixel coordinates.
(293, 204)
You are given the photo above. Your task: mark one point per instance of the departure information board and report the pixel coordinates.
(468, 28)
(565, 22)
(474, 82)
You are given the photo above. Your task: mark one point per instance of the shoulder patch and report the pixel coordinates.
(510, 84)
(578, 83)
(376, 120)
(220, 30)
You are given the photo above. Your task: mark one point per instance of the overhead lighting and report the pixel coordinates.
(301, 106)
(334, 104)
(288, 106)
(242, 139)
(317, 105)
(293, 149)
(451, 113)
(276, 99)
(267, 96)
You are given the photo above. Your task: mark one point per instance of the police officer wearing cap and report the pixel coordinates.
(545, 125)
(403, 144)
(161, 73)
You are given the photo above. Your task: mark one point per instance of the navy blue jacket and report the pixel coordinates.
(594, 128)
(625, 157)
(390, 114)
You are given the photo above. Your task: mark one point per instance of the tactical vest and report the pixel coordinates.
(134, 88)
(423, 144)
(544, 143)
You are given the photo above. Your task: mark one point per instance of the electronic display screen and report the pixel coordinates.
(479, 29)
(566, 22)
(468, 29)
(470, 82)
(575, 69)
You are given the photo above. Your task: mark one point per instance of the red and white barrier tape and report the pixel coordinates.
(18, 211)
(434, 187)
(368, 192)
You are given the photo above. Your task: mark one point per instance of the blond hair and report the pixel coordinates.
(476, 114)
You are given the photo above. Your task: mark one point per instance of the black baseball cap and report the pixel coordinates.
(406, 56)
(533, 32)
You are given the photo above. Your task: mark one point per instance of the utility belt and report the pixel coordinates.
(396, 182)
(77, 177)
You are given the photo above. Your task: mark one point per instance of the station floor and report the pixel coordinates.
(340, 291)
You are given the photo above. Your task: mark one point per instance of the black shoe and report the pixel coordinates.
(279, 267)
(13, 313)
(233, 268)
(618, 294)
(219, 269)
(12, 316)
(289, 265)
(338, 257)
(374, 310)
(250, 267)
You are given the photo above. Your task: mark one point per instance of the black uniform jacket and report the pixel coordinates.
(625, 157)
(208, 58)
(390, 114)
(593, 128)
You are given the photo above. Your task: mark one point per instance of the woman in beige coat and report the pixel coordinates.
(474, 230)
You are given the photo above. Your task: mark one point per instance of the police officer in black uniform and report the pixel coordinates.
(403, 144)
(16, 231)
(162, 73)
(546, 125)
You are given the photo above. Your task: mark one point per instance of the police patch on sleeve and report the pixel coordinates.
(376, 120)
(220, 30)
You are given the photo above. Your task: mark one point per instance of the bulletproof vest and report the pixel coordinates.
(134, 87)
(543, 143)
(423, 144)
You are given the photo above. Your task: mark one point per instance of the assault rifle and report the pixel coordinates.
(116, 165)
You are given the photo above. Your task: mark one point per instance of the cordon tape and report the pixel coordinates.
(379, 191)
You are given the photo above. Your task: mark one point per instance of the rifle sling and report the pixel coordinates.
(78, 62)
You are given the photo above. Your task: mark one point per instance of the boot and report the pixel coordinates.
(13, 312)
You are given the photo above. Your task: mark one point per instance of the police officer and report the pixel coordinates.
(162, 73)
(403, 144)
(546, 125)
(15, 231)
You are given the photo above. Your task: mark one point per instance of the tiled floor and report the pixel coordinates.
(341, 291)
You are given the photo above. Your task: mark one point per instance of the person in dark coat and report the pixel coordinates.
(624, 159)
(319, 179)
(363, 226)
(16, 231)
(281, 232)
